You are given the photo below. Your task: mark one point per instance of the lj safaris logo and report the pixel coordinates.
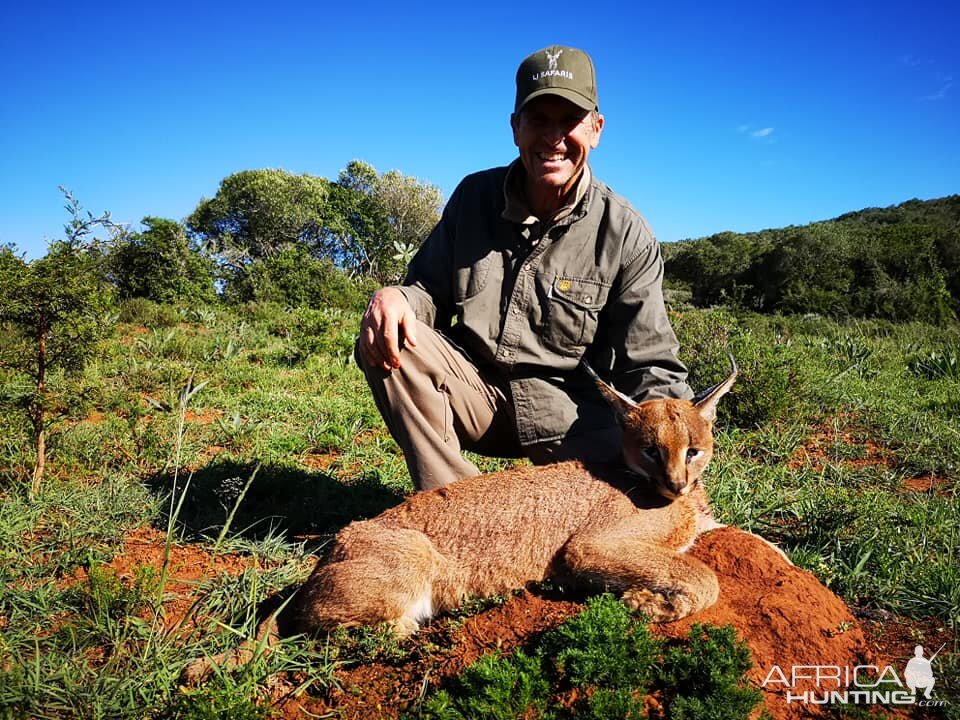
(860, 685)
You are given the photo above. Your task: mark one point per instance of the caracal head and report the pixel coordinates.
(667, 440)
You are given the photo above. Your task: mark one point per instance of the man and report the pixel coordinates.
(532, 268)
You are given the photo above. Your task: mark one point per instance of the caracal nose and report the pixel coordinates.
(676, 482)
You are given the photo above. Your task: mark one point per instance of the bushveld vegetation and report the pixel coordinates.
(245, 430)
(899, 263)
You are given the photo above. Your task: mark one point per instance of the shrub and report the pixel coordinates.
(771, 385)
(293, 277)
(607, 654)
(161, 264)
(105, 595)
(218, 699)
(493, 688)
(707, 675)
(142, 311)
(603, 646)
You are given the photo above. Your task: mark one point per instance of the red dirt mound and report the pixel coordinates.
(784, 614)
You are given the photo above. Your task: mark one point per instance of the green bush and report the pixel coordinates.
(329, 331)
(609, 655)
(295, 278)
(146, 312)
(218, 700)
(771, 385)
(607, 704)
(105, 595)
(161, 264)
(493, 688)
(707, 676)
(603, 646)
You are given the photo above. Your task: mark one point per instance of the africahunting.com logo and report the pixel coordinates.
(859, 685)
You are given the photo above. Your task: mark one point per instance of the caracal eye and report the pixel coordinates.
(692, 453)
(652, 452)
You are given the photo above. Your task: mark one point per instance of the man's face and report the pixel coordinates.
(555, 138)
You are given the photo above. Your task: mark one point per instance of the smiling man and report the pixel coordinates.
(532, 268)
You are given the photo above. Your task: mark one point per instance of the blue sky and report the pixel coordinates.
(736, 116)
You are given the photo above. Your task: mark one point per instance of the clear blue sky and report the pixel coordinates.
(720, 116)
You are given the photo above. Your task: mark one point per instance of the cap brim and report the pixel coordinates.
(581, 101)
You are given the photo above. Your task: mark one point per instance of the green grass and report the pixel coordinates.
(849, 517)
(282, 445)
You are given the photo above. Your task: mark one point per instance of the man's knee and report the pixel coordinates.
(416, 362)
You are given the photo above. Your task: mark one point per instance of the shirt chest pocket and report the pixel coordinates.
(573, 308)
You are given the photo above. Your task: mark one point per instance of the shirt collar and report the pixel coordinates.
(518, 211)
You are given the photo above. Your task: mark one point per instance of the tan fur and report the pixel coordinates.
(609, 528)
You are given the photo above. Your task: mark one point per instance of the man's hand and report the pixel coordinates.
(386, 317)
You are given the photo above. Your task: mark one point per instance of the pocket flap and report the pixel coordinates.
(580, 292)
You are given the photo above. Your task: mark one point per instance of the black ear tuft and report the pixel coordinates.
(706, 400)
(621, 403)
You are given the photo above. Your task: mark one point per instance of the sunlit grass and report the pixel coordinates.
(820, 446)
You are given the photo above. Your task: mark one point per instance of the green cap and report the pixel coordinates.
(558, 70)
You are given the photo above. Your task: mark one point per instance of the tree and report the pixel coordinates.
(296, 278)
(384, 219)
(806, 270)
(367, 224)
(259, 213)
(948, 250)
(359, 231)
(412, 209)
(52, 313)
(716, 266)
(161, 264)
(898, 263)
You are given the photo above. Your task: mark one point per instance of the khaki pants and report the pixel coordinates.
(438, 403)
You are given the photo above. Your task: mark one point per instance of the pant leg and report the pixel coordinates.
(437, 404)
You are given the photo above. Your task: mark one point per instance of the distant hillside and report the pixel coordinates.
(900, 263)
(940, 212)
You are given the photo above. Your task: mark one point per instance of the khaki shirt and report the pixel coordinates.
(528, 299)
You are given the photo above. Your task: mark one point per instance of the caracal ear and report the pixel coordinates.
(706, 400)
(621, 403)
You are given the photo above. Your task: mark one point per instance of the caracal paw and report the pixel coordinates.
(403, 627)
(660, 606)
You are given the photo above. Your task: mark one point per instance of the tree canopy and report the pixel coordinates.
(259, 213)
(161, 263)
(898, 263)
(365, 223)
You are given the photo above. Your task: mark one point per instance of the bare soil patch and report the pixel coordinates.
(933, 484)
(820, 449)
(320, 460)
(188, 567)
